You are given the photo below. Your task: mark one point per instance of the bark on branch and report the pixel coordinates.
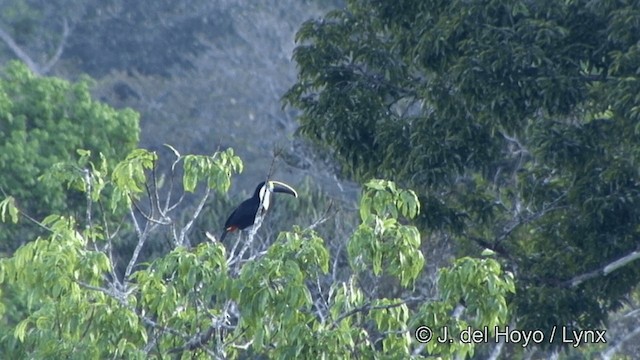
(24, 57)
(604, 270)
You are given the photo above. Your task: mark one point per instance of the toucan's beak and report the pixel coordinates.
(280, 187)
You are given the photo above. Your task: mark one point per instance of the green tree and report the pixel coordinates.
(204, 299)
(43, 121)
(515, 121)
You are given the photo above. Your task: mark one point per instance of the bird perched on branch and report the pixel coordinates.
(245, 214)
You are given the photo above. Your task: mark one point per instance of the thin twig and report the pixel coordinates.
(368, 307)
(87, 180)
(149, 218)
(326, 216)
(109, 248)
(172, 178)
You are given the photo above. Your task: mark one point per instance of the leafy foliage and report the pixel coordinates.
(8, 210)
(395, 247)
(42, 122)
(516, 123)
(210, 300)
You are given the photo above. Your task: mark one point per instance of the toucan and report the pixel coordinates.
(245, 214)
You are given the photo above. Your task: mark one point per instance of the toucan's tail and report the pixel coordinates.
(224, 234)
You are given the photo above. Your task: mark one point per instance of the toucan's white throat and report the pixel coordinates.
(265, 196)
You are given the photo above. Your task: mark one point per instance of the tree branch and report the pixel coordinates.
(606, 355)
(368, 307)
(603, 271)
(187, 227)
(21, 54)
(142, 237)
(200, 339)
(120, 297)
(260, 215)
(24, 57)
(56, 56)
(326, 216)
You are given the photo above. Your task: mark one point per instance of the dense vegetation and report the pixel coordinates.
(516, 122)
(45, 121)
(242, 300)
(506, 133)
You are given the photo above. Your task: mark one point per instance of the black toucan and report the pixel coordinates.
(245, 214)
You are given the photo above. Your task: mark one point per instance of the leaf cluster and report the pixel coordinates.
(43, 121)
(208, 301)
(514, 121)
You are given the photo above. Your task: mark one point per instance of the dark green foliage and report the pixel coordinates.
(515, 121)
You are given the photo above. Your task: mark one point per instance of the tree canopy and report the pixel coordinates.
(516, 122)
(205, 299)
(44, 121)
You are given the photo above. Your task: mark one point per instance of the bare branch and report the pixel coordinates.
(24, 57)
(142, 237)
(516, 222)
(519, 221)
(497, 350)
(152, 342)
(187, 227)
(167, 205)
(608, 354)
(109, 247)
(21, 54)
(148, 217)
(88, 181)
(250, 238)
(56, 56)
(603, 271)
(326, 216)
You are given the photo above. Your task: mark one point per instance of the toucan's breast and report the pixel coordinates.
(245, 214)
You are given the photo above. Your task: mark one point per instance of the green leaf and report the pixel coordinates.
(488, 252)
(8, 206)
(21, 329)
